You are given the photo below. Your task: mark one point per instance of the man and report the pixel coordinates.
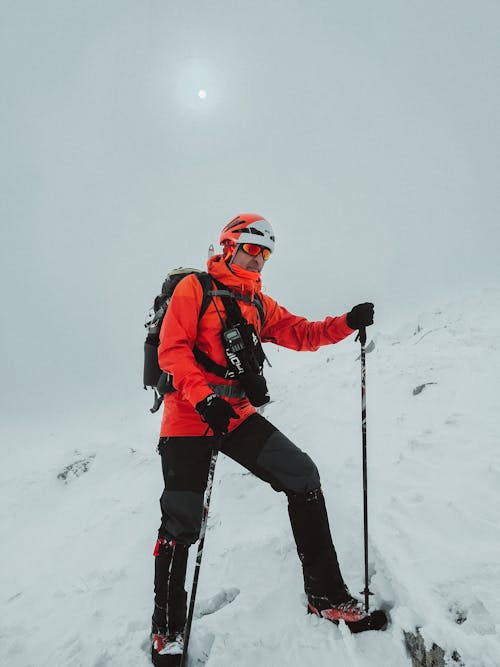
(209, 411)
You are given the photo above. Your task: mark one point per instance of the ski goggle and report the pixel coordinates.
(253, 249)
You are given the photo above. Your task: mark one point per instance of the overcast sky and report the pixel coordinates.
(366, 132)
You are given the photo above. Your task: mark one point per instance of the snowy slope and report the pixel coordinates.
(76, 569)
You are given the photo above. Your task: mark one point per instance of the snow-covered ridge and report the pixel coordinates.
(76, 559)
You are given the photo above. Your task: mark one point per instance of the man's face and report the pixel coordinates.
(249, 262)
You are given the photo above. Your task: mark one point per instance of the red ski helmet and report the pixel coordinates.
(248, 228)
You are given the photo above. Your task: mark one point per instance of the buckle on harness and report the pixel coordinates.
(227, 390)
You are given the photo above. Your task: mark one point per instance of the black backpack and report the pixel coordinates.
(153, 376)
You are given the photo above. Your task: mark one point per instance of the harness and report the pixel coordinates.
(233, 317)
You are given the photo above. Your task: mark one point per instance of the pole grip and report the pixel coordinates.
(361, 336)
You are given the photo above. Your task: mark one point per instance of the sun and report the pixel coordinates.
(202, 94)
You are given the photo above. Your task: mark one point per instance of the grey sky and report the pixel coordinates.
(367, 133)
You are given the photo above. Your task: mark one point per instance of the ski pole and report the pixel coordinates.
(203, 529)
(362, 339)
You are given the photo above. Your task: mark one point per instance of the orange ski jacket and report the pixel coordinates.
(182, 330)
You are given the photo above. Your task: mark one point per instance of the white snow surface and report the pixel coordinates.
(77, 565)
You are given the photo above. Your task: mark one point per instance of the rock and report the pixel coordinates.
(423, 657)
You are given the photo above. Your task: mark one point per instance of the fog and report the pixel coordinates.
(366, 133)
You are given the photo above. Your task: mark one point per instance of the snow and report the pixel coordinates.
(79, 512)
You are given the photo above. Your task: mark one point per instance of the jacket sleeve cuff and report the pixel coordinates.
(347, 327)
(338, 329)
(198, 394)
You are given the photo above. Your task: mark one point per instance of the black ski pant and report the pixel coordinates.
(263, 450)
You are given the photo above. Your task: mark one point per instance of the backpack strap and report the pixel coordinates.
(212, 366)
(205, 281)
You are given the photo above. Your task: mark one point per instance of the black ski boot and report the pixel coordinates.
(169, 616)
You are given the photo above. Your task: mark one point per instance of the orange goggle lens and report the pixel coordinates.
(254, 249)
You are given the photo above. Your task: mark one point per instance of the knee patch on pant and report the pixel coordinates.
(293, 469)
(182, 513)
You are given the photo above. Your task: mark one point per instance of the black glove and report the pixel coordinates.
(217, 413)
(255, 387)
(360, 316)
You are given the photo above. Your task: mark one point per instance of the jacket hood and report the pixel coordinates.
(236, 278)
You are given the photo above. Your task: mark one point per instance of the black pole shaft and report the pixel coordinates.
(362, 340)
(206, 507)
